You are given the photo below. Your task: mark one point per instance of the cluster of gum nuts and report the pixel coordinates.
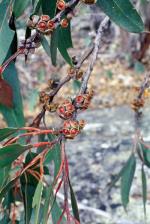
(71, 127)
(45, 24)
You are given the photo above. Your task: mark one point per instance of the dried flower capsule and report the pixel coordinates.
(64, 23)
(71, 128)
(44, 98)
(71, 71)
(82, 123)
(79, 74)
(137, 104)
(61, 5)
(82, 101)
(66, 109)
(51, 25)
(51, 107)
(45, 18)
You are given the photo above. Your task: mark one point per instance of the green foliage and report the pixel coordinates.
(14, 116)
(19, 7)
(122, 13)
(126, 179)
(6, 34)
(37, 196)
(144, 188)
(10, 153)
(6, 132)
(37, 201)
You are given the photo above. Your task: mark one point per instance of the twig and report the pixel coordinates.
(138, 112)
(70, 6)
(97, 44)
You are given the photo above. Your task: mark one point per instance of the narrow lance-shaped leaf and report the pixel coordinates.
(63, 46)
(49, 7)
(144, 151)
(6, 132)
(10, 153)
(19, 7)
(13, 116)
(37, 201)
(144, 188)
(50, 202)
(53, 155)
(126, 180)
(7, 187)
(118, 176)
(53, 46)
(74, 203)
(4, 175)
(45, 45)
(123, 13)
(6, 34)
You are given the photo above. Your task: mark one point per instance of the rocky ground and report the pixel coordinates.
(96, 156)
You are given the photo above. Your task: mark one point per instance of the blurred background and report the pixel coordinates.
(100, 151)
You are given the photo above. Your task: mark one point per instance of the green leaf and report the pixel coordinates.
(37, 6)
(37, 200)
(50, 201)
(28, 186)
(45, 45)
(6, 34)
(123, 13)
(74, 203)
(53, 46)
(7, 187)
(76, 85)
(118, 176)
(126, 179)
(139, 67)
(4, 174)
(63, 46)
(10, 153)
(141, 147)
(14, 43)
(53, 155)
(49, 7)
(13, 116)
(66, 35)
(6, 132)
(20, 6)
(144, 188)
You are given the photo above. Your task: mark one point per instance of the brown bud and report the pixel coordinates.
(51, 107)
(71, 71)
(89, 2)
(79, 74)
(61, 5)
(64, 23)
(50, 25)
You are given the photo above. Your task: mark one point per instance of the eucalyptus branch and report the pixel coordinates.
(70, 6)
(97, 44)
